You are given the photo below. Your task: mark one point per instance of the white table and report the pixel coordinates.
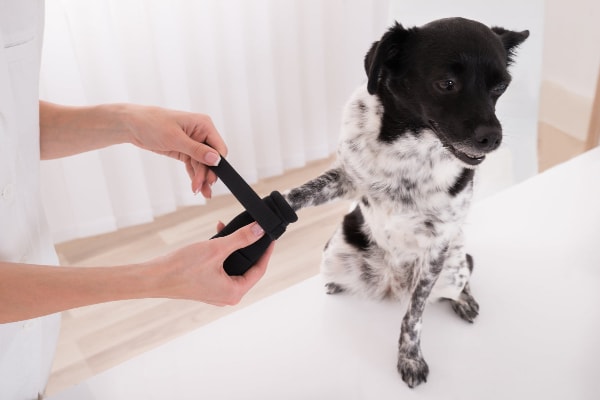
(537, 278)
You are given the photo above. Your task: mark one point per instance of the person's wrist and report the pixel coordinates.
(123, 117)
(153, 278)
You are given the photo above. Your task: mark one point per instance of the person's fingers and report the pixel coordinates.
(211, 177)
(198, 185)
(206, 190)
(190, 170)
(220, 226)
(202, 179)
(200, 155)
(199, 152)
(197, 176)
(241, 238)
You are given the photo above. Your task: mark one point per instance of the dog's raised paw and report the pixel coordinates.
(466, 307)
(333, 288)
(414, 371)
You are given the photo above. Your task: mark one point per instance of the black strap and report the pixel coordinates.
(262, 214)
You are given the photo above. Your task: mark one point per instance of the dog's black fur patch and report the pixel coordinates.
(464, 179)
(353, 233)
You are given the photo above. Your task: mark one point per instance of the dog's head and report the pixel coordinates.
(446, 76)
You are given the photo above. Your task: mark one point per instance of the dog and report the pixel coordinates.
(412, 138)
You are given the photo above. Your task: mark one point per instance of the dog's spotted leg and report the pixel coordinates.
(465, 306)
(334, 288)
(331, 185)
(411, 365)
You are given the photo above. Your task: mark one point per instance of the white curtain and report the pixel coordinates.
(272, 74)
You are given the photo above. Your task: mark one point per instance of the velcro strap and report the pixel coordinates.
(259, 211)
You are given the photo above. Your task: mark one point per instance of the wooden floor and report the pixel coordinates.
(98, 337)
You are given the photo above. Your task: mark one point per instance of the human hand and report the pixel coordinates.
(196, 272)
(188, 137)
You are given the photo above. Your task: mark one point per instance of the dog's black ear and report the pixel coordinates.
(511, 40)
(384, 54)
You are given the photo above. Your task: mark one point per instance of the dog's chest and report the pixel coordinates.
(408, 234)
(411, 168)
(403, 186)
(407, 229)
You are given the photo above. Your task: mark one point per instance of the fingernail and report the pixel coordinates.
(196, 192)
(257, 230)
(212, 159)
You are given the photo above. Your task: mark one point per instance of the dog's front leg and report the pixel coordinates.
(332, 184)
(411, 365)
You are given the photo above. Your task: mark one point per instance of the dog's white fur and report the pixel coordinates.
(375, 168)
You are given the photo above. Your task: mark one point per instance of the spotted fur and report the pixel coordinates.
(412, 181)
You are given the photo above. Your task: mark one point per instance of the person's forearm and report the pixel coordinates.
(194, 272)
(65, 130)
(28, 291)
(184, 136)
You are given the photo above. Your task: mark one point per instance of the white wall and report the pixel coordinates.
(570, 64)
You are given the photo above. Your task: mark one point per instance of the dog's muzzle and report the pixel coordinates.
(471, 152)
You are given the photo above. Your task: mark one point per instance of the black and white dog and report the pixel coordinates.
(411, 141)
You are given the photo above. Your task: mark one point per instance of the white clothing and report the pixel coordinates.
(26, 348)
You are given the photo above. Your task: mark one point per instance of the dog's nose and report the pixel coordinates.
(487, 138)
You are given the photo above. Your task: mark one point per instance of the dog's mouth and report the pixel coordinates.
(464, 157)
(469, 159)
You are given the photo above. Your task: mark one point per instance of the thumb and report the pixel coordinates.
(198, 151)
(241, 238)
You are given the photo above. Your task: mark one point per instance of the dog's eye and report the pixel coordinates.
(499, 89)
(446, 85)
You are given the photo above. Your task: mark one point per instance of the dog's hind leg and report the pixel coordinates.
(334, 288)
(453, 283)
(465, 305)
(342, 265)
